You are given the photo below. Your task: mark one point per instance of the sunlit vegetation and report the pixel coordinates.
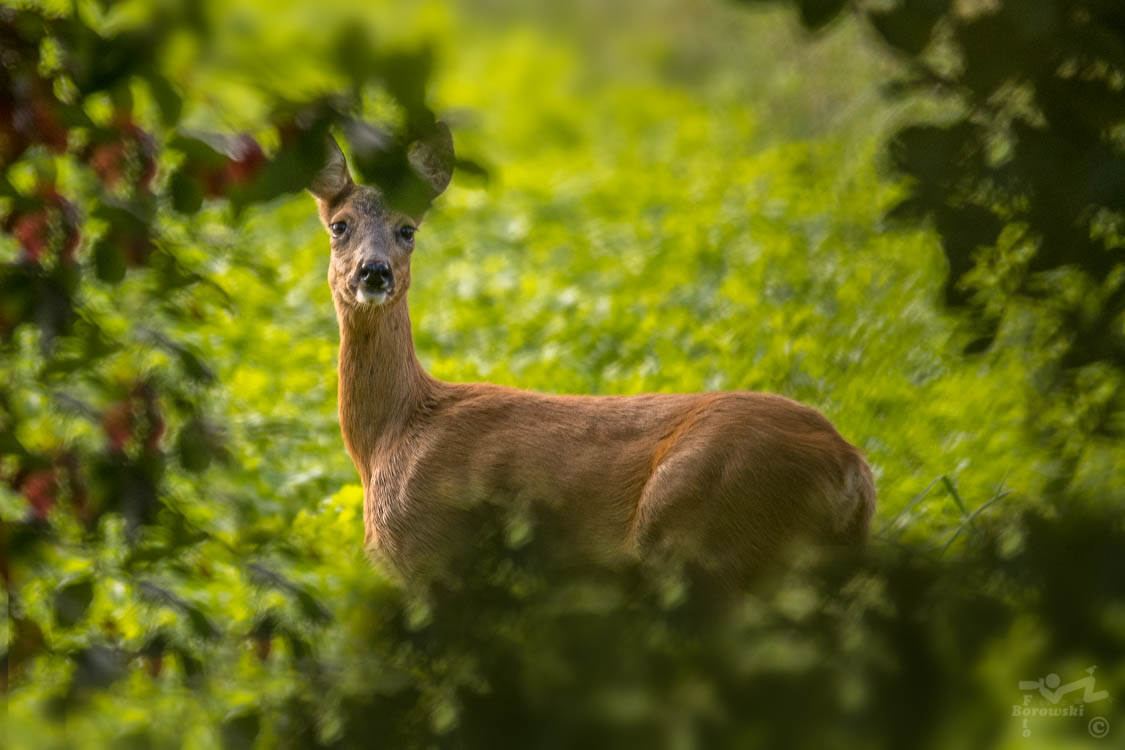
(655, 196)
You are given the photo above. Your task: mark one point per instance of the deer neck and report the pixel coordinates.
(382, 383)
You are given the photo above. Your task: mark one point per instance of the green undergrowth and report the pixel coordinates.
(683, 199)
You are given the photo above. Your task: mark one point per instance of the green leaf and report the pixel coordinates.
(187, 193)
(201, 623)
(193, 446)
(168, 100)
(71, 602)
(239, 732)
(97, 667)
(194, 367)
(909, 26)
(109, 262)
(816, 14)
(312, 608)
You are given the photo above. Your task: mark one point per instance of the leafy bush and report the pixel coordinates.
(1019, 161)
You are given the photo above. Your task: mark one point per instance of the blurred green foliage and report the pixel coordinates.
(1020, 164)
(663, 195)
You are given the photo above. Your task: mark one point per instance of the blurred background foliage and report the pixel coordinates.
(909, 218)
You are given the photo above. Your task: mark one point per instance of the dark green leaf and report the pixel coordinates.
(72, 601)
(194, 446)
(194, 367)
(97, 667)
(239, 732)
(909, 26)
(201, 623)
(312, 608)
(187, 193)
(816, 14)
(109, 262)
(168, 100)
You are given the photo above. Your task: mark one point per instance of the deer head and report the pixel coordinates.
(372, 241)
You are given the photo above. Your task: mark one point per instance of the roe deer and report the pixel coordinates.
(722, 481)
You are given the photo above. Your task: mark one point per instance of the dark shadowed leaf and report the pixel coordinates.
(202, 150)
(964, 230)
(72, 601)
(194, 367)
(168, 100)
(97, 667)
(979, 345)
(909, 26)
(239, 732)
(109, 262)
(17, 296)
(471, 168)
(201, 624)
(187, 193)
(935, 155)
(191, 666)
(311, 607)
(816, 14)
(194, 446)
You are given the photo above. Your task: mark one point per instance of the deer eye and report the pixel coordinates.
(337, 228)
(406, 232)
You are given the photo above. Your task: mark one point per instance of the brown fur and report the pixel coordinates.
(720, 480)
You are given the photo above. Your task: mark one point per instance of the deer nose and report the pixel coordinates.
(376, 276)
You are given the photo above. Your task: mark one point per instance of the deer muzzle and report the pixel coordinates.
(376, 282)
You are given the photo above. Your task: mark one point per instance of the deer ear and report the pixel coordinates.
(333, 178)
(432, 157)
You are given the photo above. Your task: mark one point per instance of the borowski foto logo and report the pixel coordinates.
(1044, 698)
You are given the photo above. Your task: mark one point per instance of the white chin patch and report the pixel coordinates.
(370, 298)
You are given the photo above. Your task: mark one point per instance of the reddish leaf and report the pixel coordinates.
(118, 425)
(39, 488)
